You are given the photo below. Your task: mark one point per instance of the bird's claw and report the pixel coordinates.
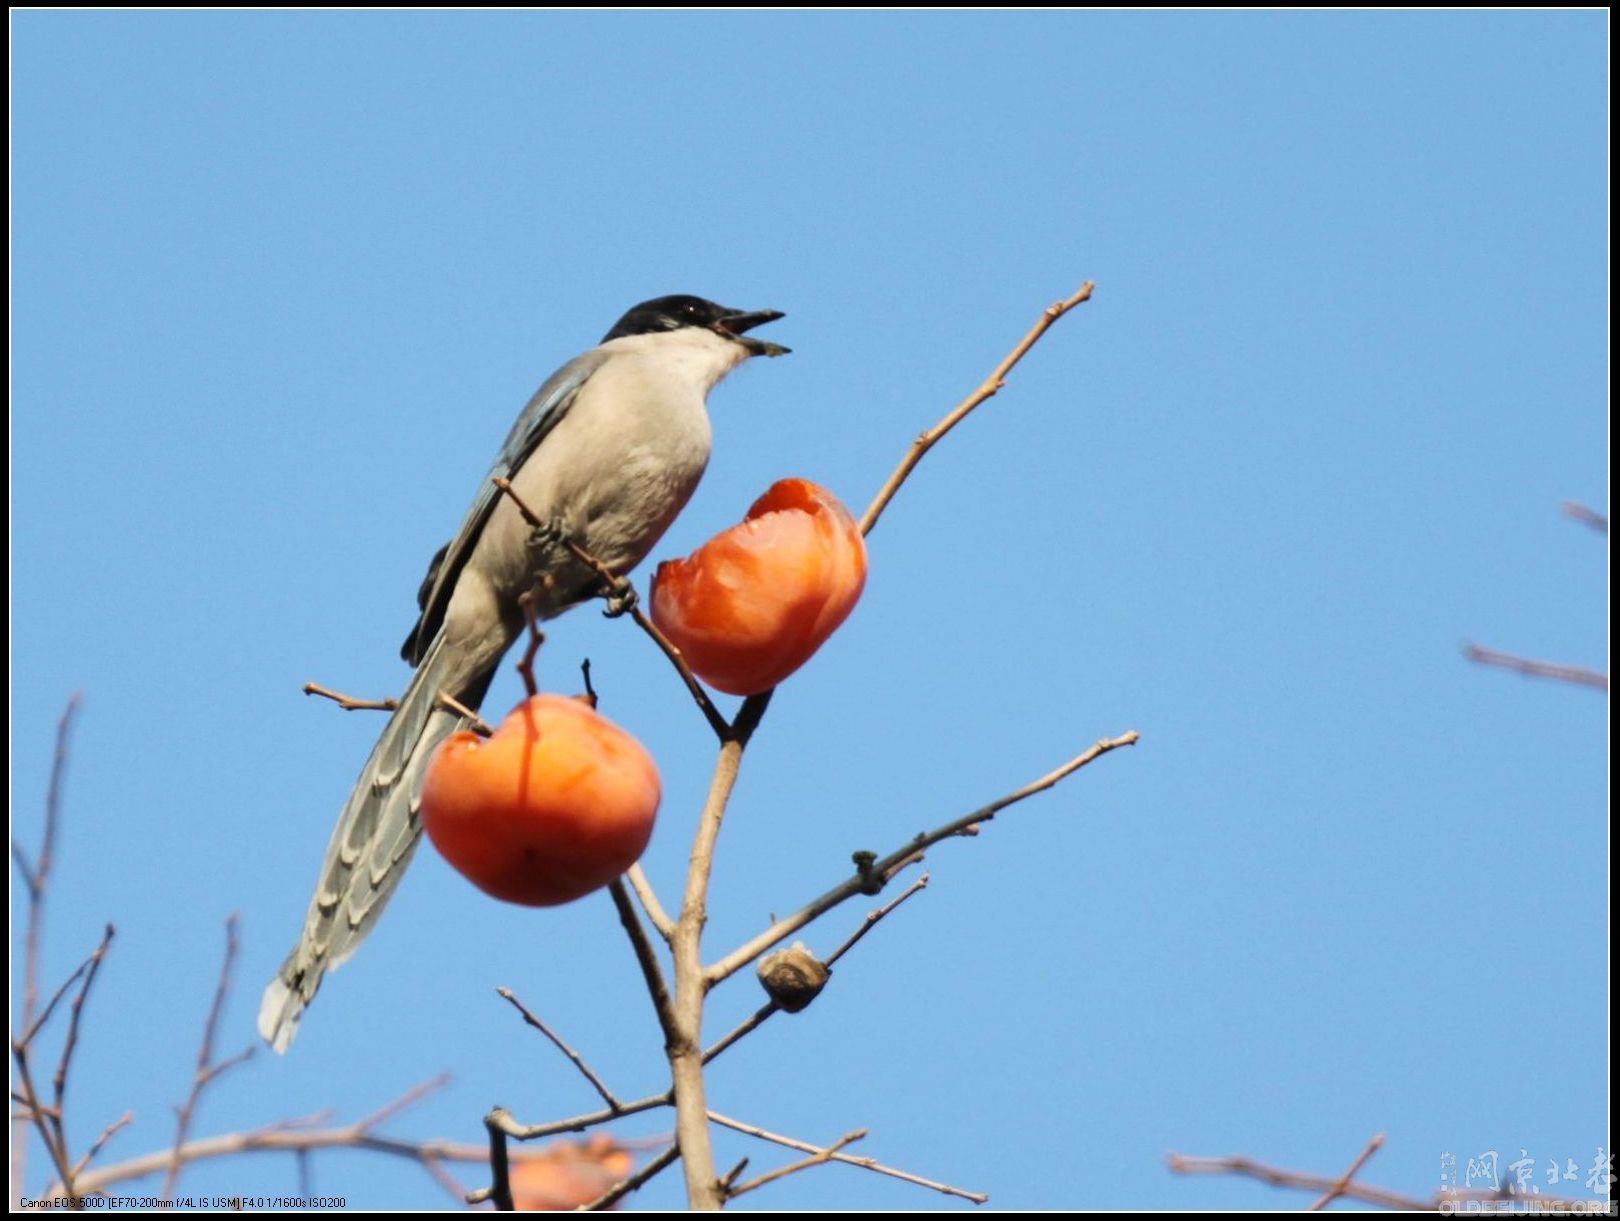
(549, 533)
(621, 600)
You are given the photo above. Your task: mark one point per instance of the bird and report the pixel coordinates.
(606, 454)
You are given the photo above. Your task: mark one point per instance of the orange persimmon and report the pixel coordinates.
(560, 801)
(755, 602)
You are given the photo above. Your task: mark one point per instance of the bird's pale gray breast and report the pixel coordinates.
(616, 471)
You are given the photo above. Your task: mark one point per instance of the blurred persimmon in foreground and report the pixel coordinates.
(569, 1174)
(755, 602)
(559, 802)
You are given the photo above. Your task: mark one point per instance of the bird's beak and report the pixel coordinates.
(735, 324)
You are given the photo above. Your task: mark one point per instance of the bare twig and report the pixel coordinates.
(580, 1123)
(865, 1163)
(1343, 1183)
(404, 1102)
(36, 878)
(1249, 1168)
(285, 1136)
(884, 868)
(100, 1143)
(478, 724)
(70, 1043)
(525, 667)
(1587, 516)
(873, 917)
(1578, 675)
(649, 902)
(556, 1040)
(616, 586)
(761, 1015)
(207, 1071)
(348, 702)
(646, 958)
(635, 1182)
(820, 1158)
(960, 412)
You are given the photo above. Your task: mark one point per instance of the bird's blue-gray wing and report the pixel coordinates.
(548, 406)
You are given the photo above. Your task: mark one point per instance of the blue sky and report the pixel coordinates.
(281, 281)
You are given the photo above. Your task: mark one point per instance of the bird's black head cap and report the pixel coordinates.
(683, 310)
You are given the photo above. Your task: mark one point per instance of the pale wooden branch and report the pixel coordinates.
(207, 1071)
(36, 878)
(1342, 1184)
(348, 702)
(557, 1041)
(987, 388)
(287, 1136)
(820, 1158)
(652, 974)
(1249, 1168)
(1578, 675)
(579, 1123)
(865, 1163)
(882, 869)
(477, 723)
(643, 887)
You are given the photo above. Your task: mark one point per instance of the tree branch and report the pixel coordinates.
(207, 1071)
(1537, 669)
(988, 388)
(883, 869)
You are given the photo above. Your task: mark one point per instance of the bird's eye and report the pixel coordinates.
(692, 310)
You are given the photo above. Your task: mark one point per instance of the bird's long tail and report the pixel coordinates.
(372, 844)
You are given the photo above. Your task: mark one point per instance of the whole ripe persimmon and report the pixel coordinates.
(755, 602)
(558, 802)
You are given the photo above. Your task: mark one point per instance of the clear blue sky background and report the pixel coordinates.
(281, 282)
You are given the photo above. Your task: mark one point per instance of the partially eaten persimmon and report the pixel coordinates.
(558, 802)
(755, 602)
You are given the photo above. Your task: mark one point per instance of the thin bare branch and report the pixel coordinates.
(476, 722)
(987, 388)
(525, 667)
(1588, 517)
(1578, 675)
(865, 1163)
(651, 973)
(557, 1041)
(100, 1143)
(36, 877)
(283, 1137)
(580, 1123)
(404, 1102)
(1343, 1183)
(618, 589)
(207, 1070)
(70, 1043)
(649, 902)
(873, 917)
(761, 1015)
(884, 868)
(820, 1158)
(635, 1182)
(348, 702)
